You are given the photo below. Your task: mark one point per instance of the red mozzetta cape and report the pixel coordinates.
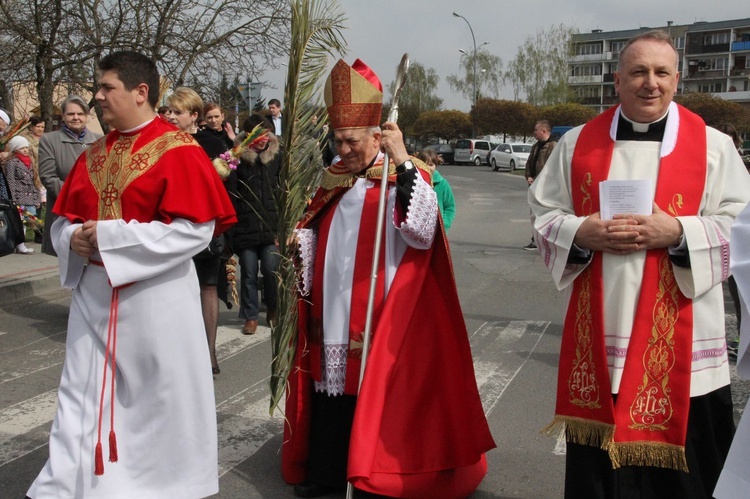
(155, 174)
(419, 427)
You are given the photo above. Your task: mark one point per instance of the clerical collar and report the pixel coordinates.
(138, 128)
(628, 129)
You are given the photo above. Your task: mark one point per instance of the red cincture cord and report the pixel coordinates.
(109, 353)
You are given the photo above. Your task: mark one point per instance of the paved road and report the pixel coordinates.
(513, 316)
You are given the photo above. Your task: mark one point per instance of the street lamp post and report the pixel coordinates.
(474, 70)
(474, 74)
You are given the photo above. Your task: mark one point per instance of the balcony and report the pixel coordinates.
(587, 101)
(743, 96)
(582, 80)
(740, 46)
(591, 57)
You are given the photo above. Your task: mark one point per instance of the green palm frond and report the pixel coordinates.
(316, 35)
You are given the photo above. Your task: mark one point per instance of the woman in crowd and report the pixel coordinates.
(185, 107)
(58, 152)
(254, 235)
(446, 202)
(20, 176)
(216, 124)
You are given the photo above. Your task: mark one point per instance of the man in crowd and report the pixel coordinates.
(58, 151)
(540, 152)
(417, 428)
(136, 357)
(274, 106)
(643, 384)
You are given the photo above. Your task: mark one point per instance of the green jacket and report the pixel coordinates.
(446, 203)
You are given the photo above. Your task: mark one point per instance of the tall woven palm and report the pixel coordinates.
(316, 34)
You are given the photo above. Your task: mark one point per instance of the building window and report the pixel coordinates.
(589, 49)
(716, 39)
(588, 91)
(715, 64)
(587, 70)
(616, 47)
(679, 42)
(711, 88)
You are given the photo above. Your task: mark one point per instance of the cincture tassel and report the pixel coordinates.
(108, 366)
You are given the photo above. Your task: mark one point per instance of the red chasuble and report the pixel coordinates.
(419, 428)
(155, 174)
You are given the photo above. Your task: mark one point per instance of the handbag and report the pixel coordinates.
(11, 227)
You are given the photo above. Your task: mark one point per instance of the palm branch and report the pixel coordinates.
(316, 27)
(13, 130)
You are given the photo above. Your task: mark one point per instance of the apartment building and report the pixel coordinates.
(713, 58)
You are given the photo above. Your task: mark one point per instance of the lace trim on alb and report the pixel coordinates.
(333, 372)
(421, 217)
(306, 240)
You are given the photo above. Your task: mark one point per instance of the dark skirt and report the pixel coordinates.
(330, 429)
(589, 473)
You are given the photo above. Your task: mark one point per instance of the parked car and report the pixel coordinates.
(510, 156)
(493, 145)
(445, 151)
(471, 151)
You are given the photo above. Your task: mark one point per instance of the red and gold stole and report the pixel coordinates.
(113, 165)
(648, 424)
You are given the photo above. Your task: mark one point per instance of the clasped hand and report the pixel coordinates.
(625, 234)
(84, 242)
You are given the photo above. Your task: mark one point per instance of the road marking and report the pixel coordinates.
(244, 423)
(495, 370)
(24, 427)
(26, 345)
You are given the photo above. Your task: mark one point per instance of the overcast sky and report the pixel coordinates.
(379, 32)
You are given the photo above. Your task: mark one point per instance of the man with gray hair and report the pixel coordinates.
(58, 152)
(643, 390)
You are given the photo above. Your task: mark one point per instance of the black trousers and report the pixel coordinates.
(589, 473)
(330, 429)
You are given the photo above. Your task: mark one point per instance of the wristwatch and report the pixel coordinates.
(407, 165)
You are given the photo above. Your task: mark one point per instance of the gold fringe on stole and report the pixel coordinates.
(582, 431)
(659, 454)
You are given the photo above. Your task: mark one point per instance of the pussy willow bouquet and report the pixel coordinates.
(228, 161)
(13, 130)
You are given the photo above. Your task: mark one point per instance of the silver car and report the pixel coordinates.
(471, 151)
(510, 156)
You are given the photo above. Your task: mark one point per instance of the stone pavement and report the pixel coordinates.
(26, 276)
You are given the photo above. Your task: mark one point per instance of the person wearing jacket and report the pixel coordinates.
(254, 236)
(58, 152)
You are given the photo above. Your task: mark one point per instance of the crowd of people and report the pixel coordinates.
(643, 397)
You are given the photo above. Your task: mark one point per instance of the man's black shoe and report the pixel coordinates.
(530, 247)
(310, 489)
(732, 348)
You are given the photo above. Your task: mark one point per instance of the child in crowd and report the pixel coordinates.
(20, 175)
(446, 203)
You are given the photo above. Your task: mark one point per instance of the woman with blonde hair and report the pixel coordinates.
(185, 107)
